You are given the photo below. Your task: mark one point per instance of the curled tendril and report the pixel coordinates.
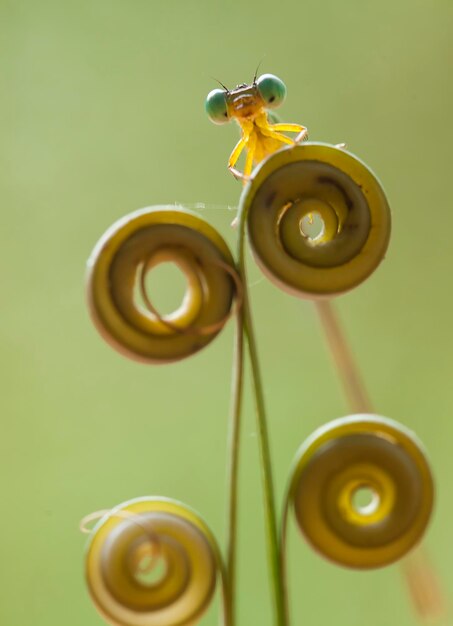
(120, 262)
(151, 562)
(295, 185)
(193, 330)
(362, 452)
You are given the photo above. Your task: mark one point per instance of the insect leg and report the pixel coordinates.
(287, 128)
(250, 155)
(277, 135)
(251, 147)
(234, 156)
(291, 128)
(302, 136)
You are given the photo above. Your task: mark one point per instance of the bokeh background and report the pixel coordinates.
(102, 113)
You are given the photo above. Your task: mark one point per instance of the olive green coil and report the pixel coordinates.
(117, 268)
(347, 455)
(315, 179)
(150, 536)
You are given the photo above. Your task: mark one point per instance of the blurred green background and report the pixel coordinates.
(101, 114)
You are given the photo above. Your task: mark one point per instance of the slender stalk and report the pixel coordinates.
(283, 553)
(227, 616)
(233, 466)
(263, 441)
(347, 369)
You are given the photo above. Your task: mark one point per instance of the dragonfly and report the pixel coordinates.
(252, 106)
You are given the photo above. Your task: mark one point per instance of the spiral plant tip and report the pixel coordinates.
(152, 562)
(130, 249)
(287, 191)
(365, 454)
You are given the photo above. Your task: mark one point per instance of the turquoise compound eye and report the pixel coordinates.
(272, 90)
(216, 106)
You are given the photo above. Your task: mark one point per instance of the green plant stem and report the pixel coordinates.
(233, 465)
(283, 553)
(225, 596)
(263, 440)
